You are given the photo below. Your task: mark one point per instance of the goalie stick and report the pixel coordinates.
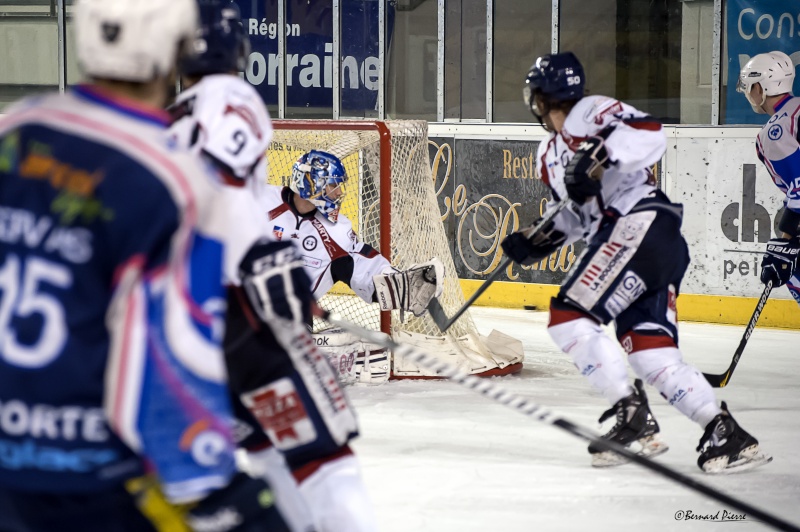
(435, 307)
(721, 380)
(541, 413)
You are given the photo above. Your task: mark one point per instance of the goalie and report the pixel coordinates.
(307, 213)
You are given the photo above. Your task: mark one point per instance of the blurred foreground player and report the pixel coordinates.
(288, 400)
(599, 155)
(107, 366)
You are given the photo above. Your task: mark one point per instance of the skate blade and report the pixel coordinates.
(649, 447)
(744, 463)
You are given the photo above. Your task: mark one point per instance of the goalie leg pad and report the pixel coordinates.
(355, 360)
(412, 289)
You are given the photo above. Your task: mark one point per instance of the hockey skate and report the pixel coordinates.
(727, 448)
(636, 429)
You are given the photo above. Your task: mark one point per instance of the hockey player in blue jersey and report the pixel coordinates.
(766, 81)
(598, 156)
(111, 251)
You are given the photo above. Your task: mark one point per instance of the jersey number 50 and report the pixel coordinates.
(29, 300)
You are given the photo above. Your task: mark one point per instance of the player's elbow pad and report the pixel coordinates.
(790, 222)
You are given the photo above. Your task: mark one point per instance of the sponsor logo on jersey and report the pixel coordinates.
(334, 250)
(278, 232)
(77, 186)
(628, 291)
(206, 445)
(309, 243)
(311, 262)
(775, 132)
(280, 411)
(29, 455)
(20, 226)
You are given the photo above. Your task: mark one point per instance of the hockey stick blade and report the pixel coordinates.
(721, 380)
(435, 307)
(540, 413)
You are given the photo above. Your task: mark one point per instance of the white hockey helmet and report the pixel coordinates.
(774, 71)
(132, 40)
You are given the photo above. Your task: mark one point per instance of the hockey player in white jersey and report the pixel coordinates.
(766, 81)
(307, 212)
(282, 384)
(598, 157)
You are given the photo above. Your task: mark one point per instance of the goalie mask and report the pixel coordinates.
(774, 71)
(319, 177)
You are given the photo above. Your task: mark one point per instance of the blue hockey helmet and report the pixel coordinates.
(320, 177)
(221, 44)
(557, 77)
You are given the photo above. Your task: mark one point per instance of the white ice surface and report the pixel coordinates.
(440, 458)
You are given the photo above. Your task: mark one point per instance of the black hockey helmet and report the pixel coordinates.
(557, 77)
(221, 44)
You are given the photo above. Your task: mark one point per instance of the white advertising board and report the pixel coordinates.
(731, 207)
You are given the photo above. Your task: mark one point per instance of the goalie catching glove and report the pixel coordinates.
(277, 286)
(526, 250)
(410, 290)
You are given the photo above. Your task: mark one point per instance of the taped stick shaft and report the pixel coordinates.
(721, 380)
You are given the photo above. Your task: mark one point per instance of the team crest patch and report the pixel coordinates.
(775, 132)
(309, 243)
(278, 232)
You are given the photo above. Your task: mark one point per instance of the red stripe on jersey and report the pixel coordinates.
(633, 341)
(645, 125)
(559, 316)
(277, 211)
(305, 471)
(545, 174)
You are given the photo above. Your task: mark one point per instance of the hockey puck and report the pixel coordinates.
(530, 307)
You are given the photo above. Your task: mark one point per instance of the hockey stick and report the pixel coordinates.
(721, 380)
(435, 307)
(540, 413)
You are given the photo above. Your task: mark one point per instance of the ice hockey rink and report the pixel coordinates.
(438, 457)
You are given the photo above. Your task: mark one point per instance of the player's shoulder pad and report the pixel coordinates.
(593, 113)
(779, 135)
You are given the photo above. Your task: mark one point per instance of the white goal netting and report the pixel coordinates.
(391, 201)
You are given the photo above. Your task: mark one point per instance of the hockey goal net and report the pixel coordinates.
(391, 201)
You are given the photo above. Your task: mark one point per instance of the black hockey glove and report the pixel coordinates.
(245, 505)
(277, 286)
(526, 250)
(585, 170)
(780, 260)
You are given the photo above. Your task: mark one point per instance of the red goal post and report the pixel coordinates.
(391, 201)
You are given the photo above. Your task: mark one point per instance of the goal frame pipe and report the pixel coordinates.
(385, 176)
